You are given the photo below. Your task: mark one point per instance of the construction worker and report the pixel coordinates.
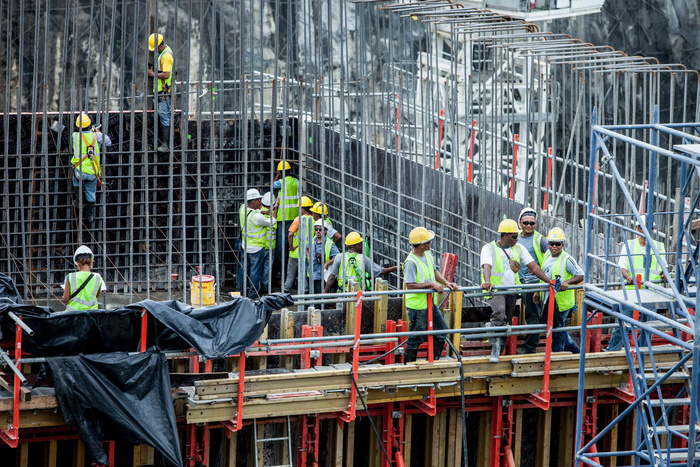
(254, 225)
(324, 250)
(559, 265)
(500, 265)
(82, 289)
(420, 272)
(268, 210)
(303, 225)
(635, 250)
(162, 86)
(288, 199)
(320, 211)
(87, 168)
(354, 265)
(535, 244)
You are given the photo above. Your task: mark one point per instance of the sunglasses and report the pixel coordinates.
(514, 235)
(318, 228)
(528, 223)
(555, 243)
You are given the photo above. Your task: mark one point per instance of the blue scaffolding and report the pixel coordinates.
(654, 318)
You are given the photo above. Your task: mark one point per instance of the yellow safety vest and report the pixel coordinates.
(536, 244)
(164, 84)
(352, 266)
(638, 254)
(566, 299)
(424, 273)
(86, 153)
(86, 298)
(306, 224)
(289, 196)
(499, 266)
(252, 235)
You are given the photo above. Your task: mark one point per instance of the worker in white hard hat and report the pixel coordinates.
(269, 210)
(632, 260)
(87, 167)
(254, 225)
(420, 271)
(536, 244)
(559, 265)
(81, 289)
(320, 253)
(162, 86)
(500, 266)
(289, 196)
(354, 265)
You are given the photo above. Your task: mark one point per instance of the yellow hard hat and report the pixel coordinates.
(508, 226)
(83, 121)
(556, 235)
(306, 202)
(317, 208)
(281, 167)
(152, 40)
(420, 235)
(353, 238)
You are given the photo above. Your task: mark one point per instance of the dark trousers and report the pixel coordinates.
(419, 322)
(532, 316)
(256, 263)
(502, 308)
(562, 341)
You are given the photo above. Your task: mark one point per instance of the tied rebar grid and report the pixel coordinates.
(397, 114)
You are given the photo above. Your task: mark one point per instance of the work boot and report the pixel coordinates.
(89, 213)
(496, 343)
(410, 356)
(164, 137)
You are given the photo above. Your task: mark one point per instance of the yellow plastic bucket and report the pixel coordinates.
(208, 284)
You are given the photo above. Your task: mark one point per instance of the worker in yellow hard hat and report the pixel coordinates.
(87, 166)
(288, 197)
(300, 234)
(500, 264)
(320, 253)
(420, 272)
(559, 265)
(320, 211)
(162, 87)
(353, 265)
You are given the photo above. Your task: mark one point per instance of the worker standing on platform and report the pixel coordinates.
(162, 86)
(302, 226)
(320, 211)
(420, 272)
(324, 250)
(500, 265)
(354, 265)
(288, 199)
(87, 168)
(254, 226)
(82, 289)
(635, 250)
(270, 211)
(535, 244)
(559, 265)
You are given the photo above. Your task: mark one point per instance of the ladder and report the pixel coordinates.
(258, 443)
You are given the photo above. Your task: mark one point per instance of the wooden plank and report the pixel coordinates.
(432, 448)
(148, 455)
(484, 446)
(286, 332)
(136, 456)
(458, 437)
(79, 458)
(260, 363)
(233, 449)
(375, 450)
(313, 316)
(544, 435)
(566, 436)
(518, 443)
(24, 455)
(349, 445)
(407, 438)
(259, 449)
(381, 307)
(350, 310)
(336, 454)
(456, 317)
(451, 437)
(52, 457)
(442, 436)
(613, 435)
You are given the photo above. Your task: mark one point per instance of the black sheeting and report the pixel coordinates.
(8, 290)
(108, 396)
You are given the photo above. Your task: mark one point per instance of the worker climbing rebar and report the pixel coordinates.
(162, 87)
(87, 168)
(288, 199)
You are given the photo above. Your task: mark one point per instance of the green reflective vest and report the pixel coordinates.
(82, 161)
(164, 84)
(566, 299)
(352, 266)
(638, 253)
(270, 238)
(499, 266)
(306, 225)
(87, 298)
(424, 273)
(251, 234)
(327, 244)
(536, 243)
(289, 199)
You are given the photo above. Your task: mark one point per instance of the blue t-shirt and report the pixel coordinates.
(528, 244)
(318, 250)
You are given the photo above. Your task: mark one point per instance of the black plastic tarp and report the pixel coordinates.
(118, 396)
(8, 290)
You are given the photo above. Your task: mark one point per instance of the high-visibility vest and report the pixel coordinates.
(424, 273)
(327, 244)
(638, 252)
(267, 230)
(306, 226)
(164, 84)
(82, 160)
(566, 299)
(537, 246)
(86, 298)
(499, 266)
(252, 235)
(289, 198)
(352, 266)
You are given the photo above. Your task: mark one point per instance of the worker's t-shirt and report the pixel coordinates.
(369, 266)
(572, 266)
(410, 270)
(319, 250)
(528, 244)
(166, 63)
(508, 274)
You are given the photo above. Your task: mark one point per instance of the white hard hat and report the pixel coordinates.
(253, 194)
(82, 252)
(267, 199)
(527, 211)
(320, 223)
(636, 224)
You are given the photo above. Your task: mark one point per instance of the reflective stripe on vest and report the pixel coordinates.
(252, 234)
(498, 268)
(638, 254)
(87, 298)
(306, 223)
(566, 299)
(536, 245)
(354, 268)
(270, 238)
(169, 80)
(289, 199)
(87, 165)
(424, 273)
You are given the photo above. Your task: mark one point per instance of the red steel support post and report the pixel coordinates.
(549, 178)
(11, 436)
(471, 151)
(349, 414)
(515, 165)
(441, 119)
(144, 330)
(541, 398)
